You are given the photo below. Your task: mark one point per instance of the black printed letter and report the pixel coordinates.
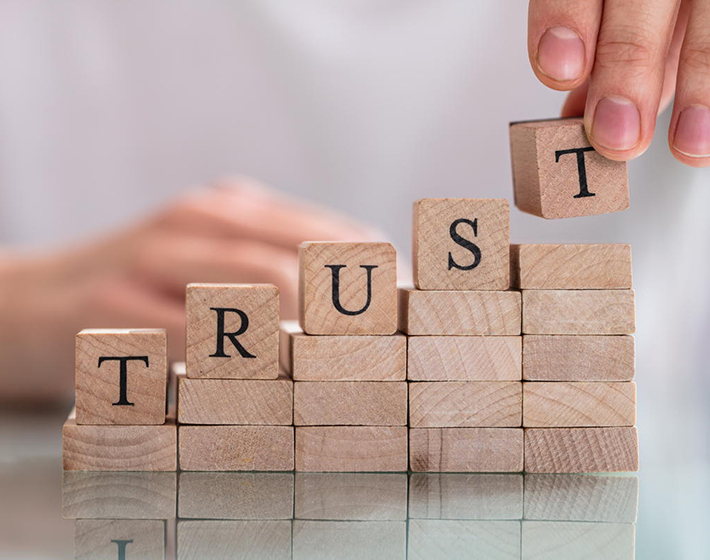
(581, 169)
(221, 335)
(465, 243)
(123, 375)
(335, 269)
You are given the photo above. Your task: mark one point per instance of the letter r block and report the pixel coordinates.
(348, 288)
(461, 244)
(121, 376)
(557, 174)
(232, 331)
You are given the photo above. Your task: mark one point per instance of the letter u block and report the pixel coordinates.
(557, 174)
(348, 288)
(232, 331)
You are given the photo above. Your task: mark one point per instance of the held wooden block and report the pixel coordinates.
(121, 376)
(348, 288)
(580, 450)
(461, 244)
(108, 539)
(557, 174)
(466, 450)
(578, 404)
(349, 540)
(465, 358)
(227, 540)
(578, 358)
(566, 541)
(351, 448)
(350, 403)
(578, 312)
(479, 313)
(465, 404)
(236, 448)
(232, 331)
(571, 267)
(436, 539)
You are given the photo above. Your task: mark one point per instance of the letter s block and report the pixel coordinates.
(232, 331)
(348, 288)
(557, 174)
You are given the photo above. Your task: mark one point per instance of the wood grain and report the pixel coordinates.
(436, 539)
(349, 540)
(563, 541)
(95, 539)
(227, 540)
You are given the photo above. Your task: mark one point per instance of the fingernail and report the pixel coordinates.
(692, 134)
(617, 124)
(560, 54)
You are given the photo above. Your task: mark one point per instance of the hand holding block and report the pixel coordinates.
(348, 288)
(557, 174)
(461, 244)
(232, 331)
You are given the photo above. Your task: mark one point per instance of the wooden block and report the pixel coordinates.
(435, 539)
(459, 313)
(108, 539)
(232, 331)
(580, 450)
(342, 358)
(227, 540)
(236, 448)
(465, 358)
(557, 174)
(121, 376)
(465, 404)
(577, 541)
(351, 448)
(461, 244)
(466, 496)
(565, 404)
(466, 450)
(350, 403)
(581, 497)
(236, 495)
(571, 267)
(578, 358)
(578, 312)
(348, 288)
(349, 540)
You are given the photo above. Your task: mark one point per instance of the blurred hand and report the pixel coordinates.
(620, 60)
(237, 232)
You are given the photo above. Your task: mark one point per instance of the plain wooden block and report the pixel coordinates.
(480, 313)
(236, 495)
(465, 358)
(580, 450)
(232, 331)
(579, 312)
(461, 244)
(342, 357)
(351, 448)
(349, 540)
(350, 403)
(578, 358)
(436, 539)
(121, 376)
(108, 539)
(228, 540)
(465, 404)
(236, 448)
(466, 496)
(348, 288)
(557, 174)
(466, 449)
(578, 541)
(351, 496)
(571, 267)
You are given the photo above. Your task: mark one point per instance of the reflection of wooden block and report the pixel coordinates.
(579, 450)
(578, 312)
(348, 288)
(578, 358)
(233, 495)
(226, 540)
(578, 404)
(466, 496)
(571, 267)
(469, 404)
(342, 358)
(236, 448)
(351, 448)
(121, 376)
(102, 539)
(459, 313)
(466, 449)
(557, 174)
(461, 244)
(232, 331)
(465, 358)
(350, 403)
(349, 540)
(435, 539)
(351, 496)
(577, 541)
